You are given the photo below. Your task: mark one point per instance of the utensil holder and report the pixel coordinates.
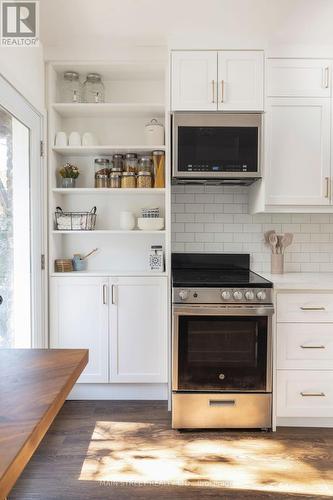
(277, 263)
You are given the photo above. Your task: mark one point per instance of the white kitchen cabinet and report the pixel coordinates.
(297, 152)
(138, 330)
(298, 77)
(240, 80)
(194, 80)
(79, 320)
(230, 80)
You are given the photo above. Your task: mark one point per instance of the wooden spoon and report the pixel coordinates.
(286, 240)
(273, 241)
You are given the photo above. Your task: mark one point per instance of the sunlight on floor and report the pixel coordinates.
(134, 452)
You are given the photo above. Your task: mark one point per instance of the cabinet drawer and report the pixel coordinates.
(305, 346)
(305, 307)
(298, 77)
(304, 393)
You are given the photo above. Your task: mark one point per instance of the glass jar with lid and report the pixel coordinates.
(115, 179)
(131, 162)
(102, 171)
(128, 180)
(118, 160)
(145, 164)
(71, 88)
(144, 180)
(93, 88)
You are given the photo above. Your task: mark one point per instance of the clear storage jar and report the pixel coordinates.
(93, 89)
(145, 164)
(118, 162)
(71, 88)
(144, 180)
(102, 171)
(128, 180)
(115, 180)
(131, 163)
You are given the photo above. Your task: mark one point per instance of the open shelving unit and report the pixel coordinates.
(134, 94)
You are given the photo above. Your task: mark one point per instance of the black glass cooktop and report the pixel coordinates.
(215, 270)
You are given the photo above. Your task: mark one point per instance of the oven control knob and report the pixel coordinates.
(183, 294)
(238, 295)
(261, 295)
(249, 295)
(226, 295)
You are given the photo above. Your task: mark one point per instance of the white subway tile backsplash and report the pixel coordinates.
(216, 219)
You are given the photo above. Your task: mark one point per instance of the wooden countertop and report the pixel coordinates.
(34, 384)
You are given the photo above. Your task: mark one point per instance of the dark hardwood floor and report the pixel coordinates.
(123, 450)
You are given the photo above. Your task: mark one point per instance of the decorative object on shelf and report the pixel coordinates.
(127, 221)
(63, 265)
(154, 133)
(74, 139)
(61, 140)
(151, 224)
(75, 221)
(71, 88)
(102, 171)
(69, 173)
(156, 259)
(93, 89)
(144, 180)
(89, 139)
(278, 244)
(131, 162)
(159, 169)
(150, 213)
(79, 262)
(145, 164)
(128, 180)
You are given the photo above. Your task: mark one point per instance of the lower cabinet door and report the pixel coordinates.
(79, 320)
(302, 393)
(138, 330)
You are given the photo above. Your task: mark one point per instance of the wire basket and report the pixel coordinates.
(75, 221)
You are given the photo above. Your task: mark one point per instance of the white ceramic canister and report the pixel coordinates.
(154, 133)
(127, 221)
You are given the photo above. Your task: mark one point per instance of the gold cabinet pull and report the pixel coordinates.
(313, 394)
(313, 308)
(326, 77)
(327, 187)
(113, 294)
(222, 90)
(104, 294)
(213, 91)
(309, 346)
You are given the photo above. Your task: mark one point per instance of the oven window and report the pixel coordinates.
(218, 149)
(222, 353)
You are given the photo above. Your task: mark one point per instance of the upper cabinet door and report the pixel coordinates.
(138, 330)
(297, 151)
(240, 80)
(194, 80)
(298, 78)
(79, 320)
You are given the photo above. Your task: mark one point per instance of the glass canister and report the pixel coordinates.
(144, 180)
(131, 162)
(118, 162)
(71, 88)
(102, 171)
(93, 88)
(145, 164)
(128, 180)
(159, 169)
(115, 179)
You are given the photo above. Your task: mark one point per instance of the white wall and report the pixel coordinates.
(23, 67)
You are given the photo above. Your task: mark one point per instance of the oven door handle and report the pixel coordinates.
(223, 310)
(221, 402)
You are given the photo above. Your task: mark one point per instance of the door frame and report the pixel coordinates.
(16, 104)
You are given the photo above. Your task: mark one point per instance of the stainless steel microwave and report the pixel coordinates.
(216, 147)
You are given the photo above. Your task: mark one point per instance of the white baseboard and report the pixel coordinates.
(119, 391)
(304, 422)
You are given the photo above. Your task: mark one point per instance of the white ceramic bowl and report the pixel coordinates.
(151, 224)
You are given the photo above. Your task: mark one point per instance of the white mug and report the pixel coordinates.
(89, 139)
(127, 221)
(60, 139)
(74, 139)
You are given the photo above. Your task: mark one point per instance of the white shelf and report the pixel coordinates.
(103, 150)
(109, 191)
(109, 231)
(111, 273)
(130, 109)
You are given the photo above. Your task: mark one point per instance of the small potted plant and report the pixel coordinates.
(69, 173)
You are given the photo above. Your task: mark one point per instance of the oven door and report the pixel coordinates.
(222, 348)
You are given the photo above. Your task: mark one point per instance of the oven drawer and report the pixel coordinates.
(304, 393)
(213, 411)
(305, 346)
(305, 307)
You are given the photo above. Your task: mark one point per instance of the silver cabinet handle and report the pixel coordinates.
(313, 308)
(326, 77)
(222, 90)
(113, 294)
(213, 91)
(327, 187)
(105, 294)
(313, 346)
(222, 402)
(314, 394)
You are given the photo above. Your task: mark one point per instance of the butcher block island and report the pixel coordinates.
(34, 384)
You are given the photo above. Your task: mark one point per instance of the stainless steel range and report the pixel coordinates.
(222, 343)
